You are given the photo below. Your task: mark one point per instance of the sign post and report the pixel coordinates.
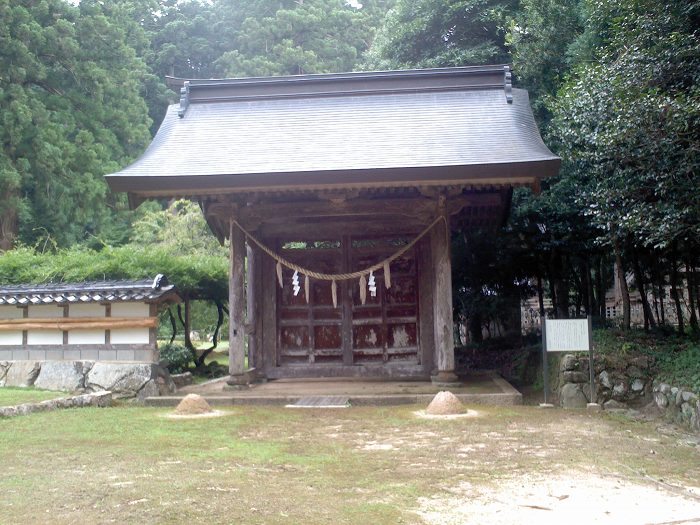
(567, 335)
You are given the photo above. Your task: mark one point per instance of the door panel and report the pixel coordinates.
(384, 330)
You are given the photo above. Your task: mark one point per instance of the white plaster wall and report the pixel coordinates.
(45, 337)
(130, 336)
(130, 310)
(86, 310)
(86, 337)
(13, 337)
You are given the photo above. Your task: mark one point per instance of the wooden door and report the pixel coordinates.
(382, 331)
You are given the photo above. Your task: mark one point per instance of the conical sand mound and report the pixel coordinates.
(193, 404)
(445, 404)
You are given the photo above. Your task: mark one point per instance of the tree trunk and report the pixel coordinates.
(646, 308)
(199, 361)
(622, 282)
(540, 297)
(185, 320)
(8, 222)
(173, 325)
(660, 286)
(601, 288)
(690, 286)
(674, 294)
(590, 300)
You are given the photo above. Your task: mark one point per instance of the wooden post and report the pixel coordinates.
(251, 300)
(237, 309)
(442, 298)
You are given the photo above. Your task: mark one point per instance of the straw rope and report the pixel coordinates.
(382, 265)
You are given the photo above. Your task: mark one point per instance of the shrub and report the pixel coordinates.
(175, 357)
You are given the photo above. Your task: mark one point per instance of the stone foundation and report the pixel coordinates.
(124, 380)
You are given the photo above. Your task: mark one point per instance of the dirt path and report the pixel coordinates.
(563, 498)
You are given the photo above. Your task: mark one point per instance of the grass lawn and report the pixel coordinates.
(16, 396)
(267, 465)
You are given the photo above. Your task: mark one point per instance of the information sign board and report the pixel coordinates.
(567, 335)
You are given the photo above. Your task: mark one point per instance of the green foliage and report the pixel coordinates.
(438, 33)
(180, 229)
(72, 111)
(627, 125)
(178, 357)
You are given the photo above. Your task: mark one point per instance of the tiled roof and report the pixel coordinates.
(452, 125)
(148, 290)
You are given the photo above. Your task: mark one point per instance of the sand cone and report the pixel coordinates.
(445, 404)
(193, 404)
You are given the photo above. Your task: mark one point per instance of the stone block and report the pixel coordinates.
(181, 380)
(571, 396)
(665, 388)
(124, 380)
(143, 356)
(68, 376)
(568, 362)
(575, 376)
(637, 385)
(55, 355)
(37, 355)
(605, 380)
(125, 355)
(89, 354)
(20, 355)
(660, 399)
(72, 355)
(634, 372)
(613, 404)
(687, 396)
(619, 391)
(22, 373)
(150, 389)
(107, 355)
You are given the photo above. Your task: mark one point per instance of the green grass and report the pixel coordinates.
(16, 396)
(273, 465)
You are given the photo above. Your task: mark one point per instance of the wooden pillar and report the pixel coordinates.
(442, 298)
(237, 309)
(251, 300)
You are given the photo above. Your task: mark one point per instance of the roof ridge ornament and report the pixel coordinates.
(508, 84)
(184, 99)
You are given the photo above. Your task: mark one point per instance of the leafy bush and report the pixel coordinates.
(176, 357)
(681, 369)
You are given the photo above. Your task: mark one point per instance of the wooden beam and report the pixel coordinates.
(77, 323)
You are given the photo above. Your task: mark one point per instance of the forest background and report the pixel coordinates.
(614, 85)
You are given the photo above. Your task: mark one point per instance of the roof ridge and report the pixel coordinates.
(343, 84)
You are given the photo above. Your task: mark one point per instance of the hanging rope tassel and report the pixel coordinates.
(279, 274)
(306, 288)
(363, 289)
(334, 293)
(387, 275)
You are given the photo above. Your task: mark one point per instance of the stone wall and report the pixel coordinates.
(124, 380)
(622, 384)
(619, 384)
(679, 406)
